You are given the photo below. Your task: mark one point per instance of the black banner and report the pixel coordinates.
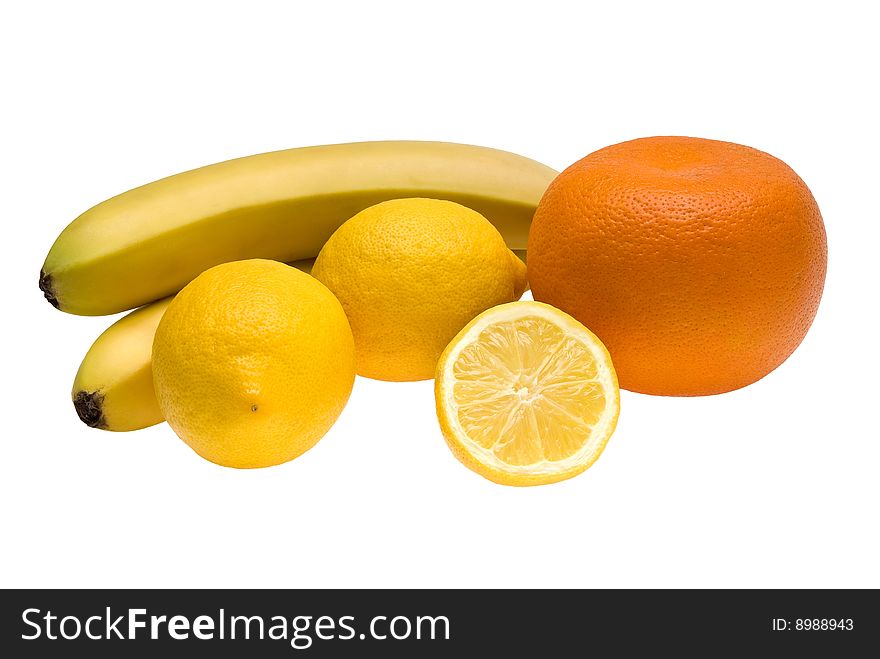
(437, 623)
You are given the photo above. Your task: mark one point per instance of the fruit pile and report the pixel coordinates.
(263, 285)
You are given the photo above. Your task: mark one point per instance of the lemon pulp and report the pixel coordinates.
(526, 395)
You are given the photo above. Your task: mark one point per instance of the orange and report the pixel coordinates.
(698, 263)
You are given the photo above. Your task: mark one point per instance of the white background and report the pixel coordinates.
(775, 485)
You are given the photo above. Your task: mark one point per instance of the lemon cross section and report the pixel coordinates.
(526, 395)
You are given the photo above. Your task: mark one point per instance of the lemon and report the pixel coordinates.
(410, 273)
(253, 362)
(526, 395)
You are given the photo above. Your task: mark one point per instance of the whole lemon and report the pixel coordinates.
(410, 273)
(253, 362)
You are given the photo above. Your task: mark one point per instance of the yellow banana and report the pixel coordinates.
(149, 242)
(113, 388)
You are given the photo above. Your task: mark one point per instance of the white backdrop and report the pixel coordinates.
(774, 485)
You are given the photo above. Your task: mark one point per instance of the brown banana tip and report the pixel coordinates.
(90, 408)
(48, 288)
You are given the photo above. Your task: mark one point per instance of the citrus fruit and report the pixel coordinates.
(410, 273)
(526, 395)
(253, 362)
(699, 263)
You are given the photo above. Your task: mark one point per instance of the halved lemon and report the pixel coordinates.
(526, 395)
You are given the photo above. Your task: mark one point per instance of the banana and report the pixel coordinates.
(113, 388)
(149, 242)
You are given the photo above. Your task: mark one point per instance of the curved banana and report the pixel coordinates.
(113, 388)
(149, 242)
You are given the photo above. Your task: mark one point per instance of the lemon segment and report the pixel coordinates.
(526, 395)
